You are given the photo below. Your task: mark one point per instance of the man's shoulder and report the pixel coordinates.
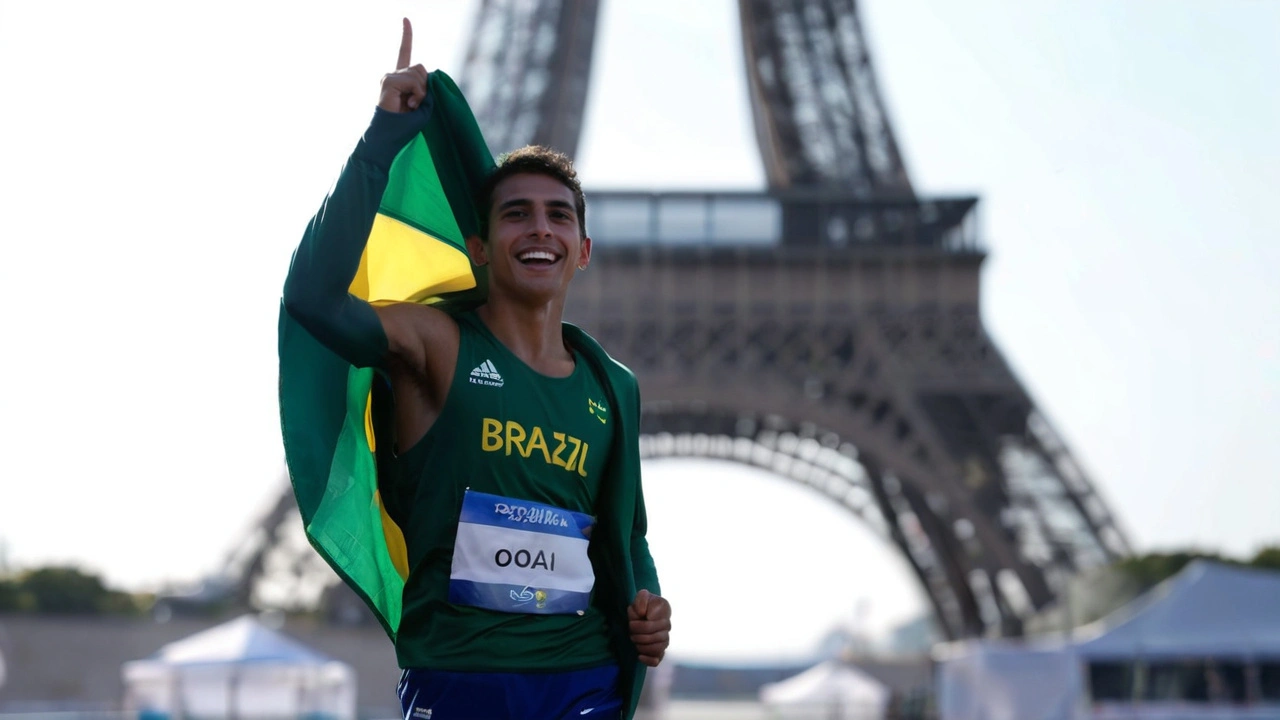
(418, 324)
(618, 373)
(461, 316)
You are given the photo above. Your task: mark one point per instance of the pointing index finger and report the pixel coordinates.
(406, 46)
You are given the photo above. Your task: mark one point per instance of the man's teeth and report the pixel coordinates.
(537, 255)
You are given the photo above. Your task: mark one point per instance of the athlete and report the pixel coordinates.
(531, 591)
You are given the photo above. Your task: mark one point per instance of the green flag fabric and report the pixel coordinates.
(415, 252)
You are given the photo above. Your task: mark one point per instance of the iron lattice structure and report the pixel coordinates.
(527, 70)
(818, 114)
(864, 373)
(827, 329)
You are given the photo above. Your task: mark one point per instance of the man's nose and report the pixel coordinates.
(541, 224)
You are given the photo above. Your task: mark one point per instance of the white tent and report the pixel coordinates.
(830, 690)
(239, 669)
(992, 680)
(1209, 614)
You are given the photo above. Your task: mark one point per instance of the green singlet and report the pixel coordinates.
(507, 430)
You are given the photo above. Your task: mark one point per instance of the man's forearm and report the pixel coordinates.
(316, 290)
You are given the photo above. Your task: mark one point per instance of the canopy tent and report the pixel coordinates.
(1192, 639)
(1207, 610)
(239, 669)
(831, 690)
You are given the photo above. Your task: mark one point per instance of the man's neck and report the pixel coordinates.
(531, 333)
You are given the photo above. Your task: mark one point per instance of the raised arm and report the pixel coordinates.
(316, 290)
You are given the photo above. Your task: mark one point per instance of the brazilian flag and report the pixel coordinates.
(415, 253)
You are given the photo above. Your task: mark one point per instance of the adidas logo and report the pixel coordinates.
(486, 374)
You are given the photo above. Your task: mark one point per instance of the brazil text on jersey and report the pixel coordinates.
(566, 451)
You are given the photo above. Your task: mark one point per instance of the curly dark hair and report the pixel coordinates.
(537, 160)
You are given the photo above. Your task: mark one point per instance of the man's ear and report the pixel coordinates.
(476, 251)
(584, 257)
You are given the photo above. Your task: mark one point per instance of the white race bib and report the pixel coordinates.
(520, 556)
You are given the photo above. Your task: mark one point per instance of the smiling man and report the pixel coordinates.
(530, 590)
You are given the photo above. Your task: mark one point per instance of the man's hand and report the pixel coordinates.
(650, 623)
(405, 88)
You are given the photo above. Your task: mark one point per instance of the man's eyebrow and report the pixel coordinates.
(525, 202)
(517, 202)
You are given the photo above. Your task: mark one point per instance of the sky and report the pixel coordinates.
(158, 162)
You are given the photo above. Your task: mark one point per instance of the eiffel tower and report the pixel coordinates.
(826, 328)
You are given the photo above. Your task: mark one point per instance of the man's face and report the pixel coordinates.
(534, 245)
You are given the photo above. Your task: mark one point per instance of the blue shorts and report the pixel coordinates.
(590, 694)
